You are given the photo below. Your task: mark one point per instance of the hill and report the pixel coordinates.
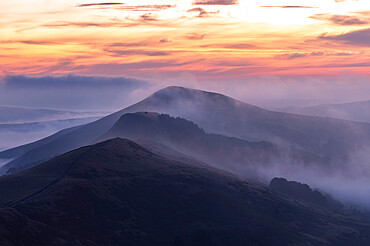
(185, 137)
(334, 140)
(118, 193)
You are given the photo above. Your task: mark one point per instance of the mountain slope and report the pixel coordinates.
(332, 139)
(183, 136)
(355, 111)
(118, 193)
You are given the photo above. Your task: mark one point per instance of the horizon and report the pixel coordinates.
(251, 50)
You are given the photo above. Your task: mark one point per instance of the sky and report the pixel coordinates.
(187, 41)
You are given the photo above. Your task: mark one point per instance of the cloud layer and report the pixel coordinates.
(70, 92)
(209, 39)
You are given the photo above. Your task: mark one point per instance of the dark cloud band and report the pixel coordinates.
(98, 4)
(215, 2)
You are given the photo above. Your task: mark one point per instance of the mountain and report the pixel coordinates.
(185, 137)
(355, 111)
(332, 139)
(118, 193)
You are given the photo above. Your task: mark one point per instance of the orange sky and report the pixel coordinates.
(205, 38)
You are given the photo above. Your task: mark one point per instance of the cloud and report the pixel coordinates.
(144, 19)
(36, 42)
(155, 7)
(358, 37)
(343, 20)
(69, 92)
(70, 81)
(295, 55)
(139, 66)
(215, 2)
(310, 54)
(134, 44)
(98, 4)
(164, 40)
(142, 44)
(290, 7)
(341, 1)
(202, 12)
(195, 36)
(235, 46)
(118, 52)
(147, 17)
(61, 24)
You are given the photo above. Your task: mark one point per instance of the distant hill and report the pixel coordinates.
(23, 115)
(183, 136)
(355, 111)
(118, 193)
(334, 140)
(22, 125)
(12, 135)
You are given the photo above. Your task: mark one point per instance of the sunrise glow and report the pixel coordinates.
(209, 39)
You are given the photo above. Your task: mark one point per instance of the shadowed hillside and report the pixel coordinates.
(118, 193)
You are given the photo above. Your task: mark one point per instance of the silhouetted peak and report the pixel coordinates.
(151, 124)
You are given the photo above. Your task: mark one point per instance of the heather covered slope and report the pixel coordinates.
(332, 139)
(118, 193)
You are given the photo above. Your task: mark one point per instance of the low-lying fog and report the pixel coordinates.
(101, 93)
(350, 189)
(13, 135)
(351, 185)
(4, 161)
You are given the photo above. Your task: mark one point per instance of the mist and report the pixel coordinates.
(350, 187)
(349, 184)
(96, 93)
(13, 135)
(347, 180)
(345, 177)
(282, 91)
(4, 161)
(70, 92)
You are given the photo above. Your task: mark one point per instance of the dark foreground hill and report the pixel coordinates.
(118, 193)
(333, 140)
